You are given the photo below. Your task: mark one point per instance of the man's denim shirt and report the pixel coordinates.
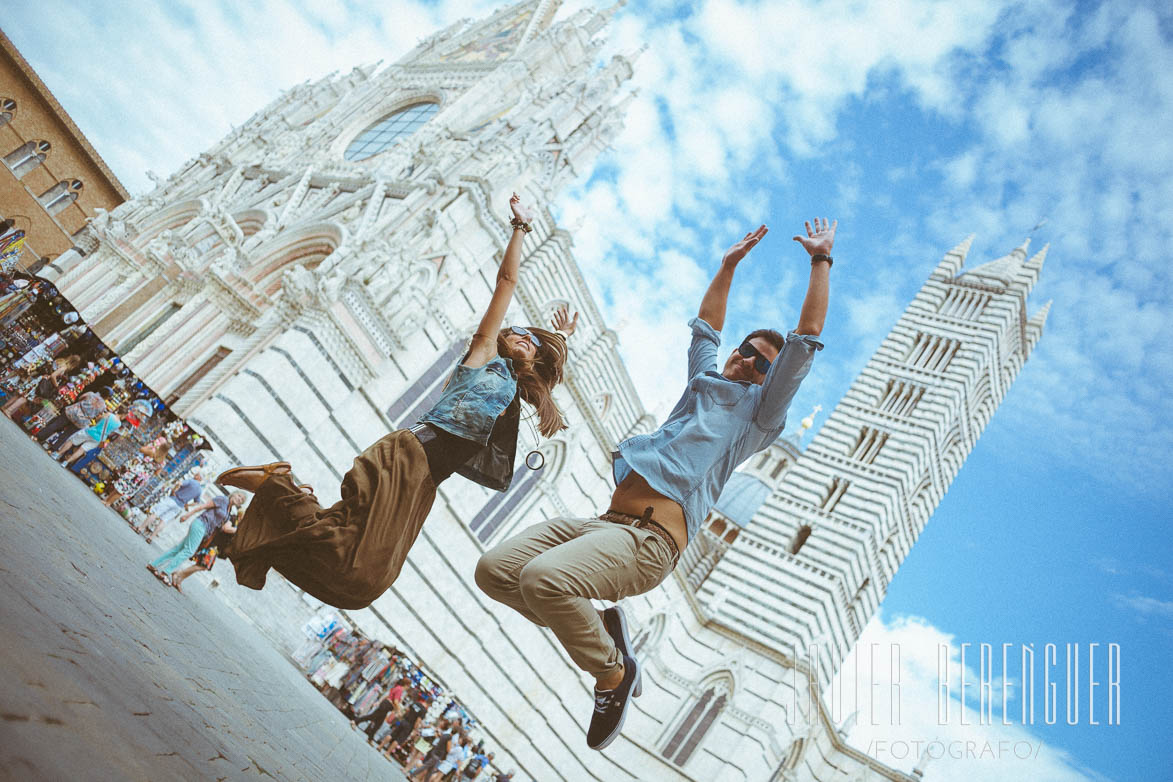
(473, 399)
(716, 425)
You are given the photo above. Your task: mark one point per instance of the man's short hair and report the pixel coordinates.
(769, 335)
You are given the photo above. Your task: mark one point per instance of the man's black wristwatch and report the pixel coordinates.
(817, 257)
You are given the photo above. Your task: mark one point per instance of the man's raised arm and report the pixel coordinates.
(713, 304)
(818, 242)
(794, 359)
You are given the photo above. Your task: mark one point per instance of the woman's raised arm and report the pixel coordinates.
(484, 341)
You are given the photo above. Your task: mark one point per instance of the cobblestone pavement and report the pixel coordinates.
(108, 675)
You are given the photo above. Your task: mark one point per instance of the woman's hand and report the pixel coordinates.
(818, 241)
(562, 321)
(522, 213)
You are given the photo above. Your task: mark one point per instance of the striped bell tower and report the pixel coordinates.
(829, 538)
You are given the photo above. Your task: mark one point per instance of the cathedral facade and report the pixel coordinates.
(305, 286)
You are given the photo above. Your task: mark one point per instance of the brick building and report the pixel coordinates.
(52, 178)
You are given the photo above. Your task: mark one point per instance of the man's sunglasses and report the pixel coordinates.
(760, 362)
(527, 333)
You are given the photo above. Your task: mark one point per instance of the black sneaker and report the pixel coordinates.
(611, 707)
(616, 623)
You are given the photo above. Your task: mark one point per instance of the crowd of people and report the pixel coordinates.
(405, 714)
(77, 399)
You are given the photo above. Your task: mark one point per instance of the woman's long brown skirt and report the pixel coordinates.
(350, 553)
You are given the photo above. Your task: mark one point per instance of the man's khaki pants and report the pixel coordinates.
(549, 573)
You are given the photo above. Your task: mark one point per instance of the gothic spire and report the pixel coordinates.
(951, 264)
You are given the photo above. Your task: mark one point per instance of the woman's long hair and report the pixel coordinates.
(537, 377)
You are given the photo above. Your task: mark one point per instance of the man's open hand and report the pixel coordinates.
(818, 240)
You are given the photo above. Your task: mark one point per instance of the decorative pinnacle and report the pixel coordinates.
(1019, 252)
(635, 54)
(962, 249)
(809, 421)
(1036, 262)
(1039, 319)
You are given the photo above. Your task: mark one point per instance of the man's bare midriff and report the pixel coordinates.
(633, 496)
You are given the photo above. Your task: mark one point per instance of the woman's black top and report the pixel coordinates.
(445, 450)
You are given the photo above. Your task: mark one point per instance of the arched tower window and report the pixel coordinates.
(26, 157)
(696, 723)
(385, 132)
(7, 111)
(649, 635)
(61, 195)
(800, 537)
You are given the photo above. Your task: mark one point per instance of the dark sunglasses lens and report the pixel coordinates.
(526, 333)
(760, 362)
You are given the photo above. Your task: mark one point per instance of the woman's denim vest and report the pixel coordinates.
(471, 407)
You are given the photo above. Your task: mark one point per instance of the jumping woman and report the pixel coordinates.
(351, 552)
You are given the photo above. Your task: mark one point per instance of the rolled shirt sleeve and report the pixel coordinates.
(702, 353)
(785, 376)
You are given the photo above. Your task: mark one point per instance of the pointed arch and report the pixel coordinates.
(601, 402)
(168, 220)
(252, 220)
(306, 247)
(27, 156)
(61, 195)
(800, 537)
(699, 716)
(7, 111)
(794, 754)
(649, 636)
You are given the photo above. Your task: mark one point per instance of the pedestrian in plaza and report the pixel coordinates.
(205, 555)
(508, 777)
(348, 554)
(45, 389)
(85, 440)
(377, 716)
(479, 762)
(448, 768)
(666, 483)
(171, 506)
(405, 725)
(443, 741)
(80, 414)
(213, 514)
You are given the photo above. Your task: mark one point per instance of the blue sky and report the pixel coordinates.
(915, 124)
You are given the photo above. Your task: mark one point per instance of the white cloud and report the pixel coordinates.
(893, 677)
(1146, 606)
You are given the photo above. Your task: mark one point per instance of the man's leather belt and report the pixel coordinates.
(642, 522)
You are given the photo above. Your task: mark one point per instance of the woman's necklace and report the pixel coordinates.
(535, 459)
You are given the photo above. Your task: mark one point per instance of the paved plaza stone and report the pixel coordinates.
(109, 675)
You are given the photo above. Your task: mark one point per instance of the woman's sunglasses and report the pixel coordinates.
(760, 362)
(527, 333)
